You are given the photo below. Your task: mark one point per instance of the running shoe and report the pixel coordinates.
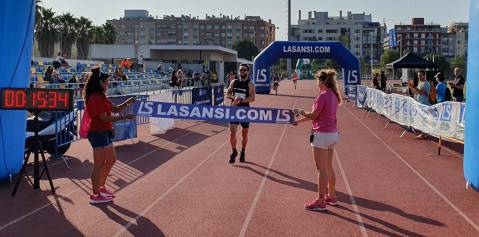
(94, 199)
(233, 156)
(242, 156)
(330, 200)
(316, 205)
(105, 193)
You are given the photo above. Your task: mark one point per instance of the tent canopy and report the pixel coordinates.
(411, 60)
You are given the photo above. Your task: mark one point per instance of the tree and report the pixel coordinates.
(246, 49)
(441, 62)
(38, 14)
(329, 63)
(67, 27)
(46, 32)
(388, 56)
(84, 39)
(365, 68)
(109, 33)
(345, 40)
(460, 61)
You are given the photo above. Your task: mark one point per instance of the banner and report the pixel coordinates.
(219, 94)
(213, 113)
(201, 96)
(445, 119)
(124, 129)
(161, 125)
(361, 96)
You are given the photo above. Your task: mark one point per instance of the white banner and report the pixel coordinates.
(161, 125)
(444, 119)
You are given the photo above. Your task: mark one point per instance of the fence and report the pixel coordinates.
(445, 120)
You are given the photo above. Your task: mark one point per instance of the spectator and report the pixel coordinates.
(376, 81)
(173, 79)
(119, 75)
(383, 81)
(231, 76)
(49, 74)
(159, 69)
(442, 91)
(179, 76)
(414, 82)
(140, 63)
(170, 70)
(458, 85)
(196, 79)
(422, 92)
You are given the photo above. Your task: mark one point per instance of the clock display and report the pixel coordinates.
(36, 99)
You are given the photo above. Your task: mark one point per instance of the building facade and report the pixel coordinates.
(419, 38)
(138, 27)
(357, 32)
(422, 39)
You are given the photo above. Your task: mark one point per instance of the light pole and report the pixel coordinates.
(288, 63)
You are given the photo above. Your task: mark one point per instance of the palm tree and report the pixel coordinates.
(85, 37)
(109, 33)
(38, 10)
(46, 32)
(67, 25)
(98, 34)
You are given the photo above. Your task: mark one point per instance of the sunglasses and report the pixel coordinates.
(243, 70)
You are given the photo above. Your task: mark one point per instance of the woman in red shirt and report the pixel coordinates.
(324, 137)
(100, 110)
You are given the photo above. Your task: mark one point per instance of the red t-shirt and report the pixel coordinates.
(98, 104)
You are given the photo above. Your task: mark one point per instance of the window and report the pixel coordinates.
(416, 35)
(331, 31)
(358, 46)
(320, 31)
(357, 31)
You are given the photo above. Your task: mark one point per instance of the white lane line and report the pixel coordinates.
(462, 214)
(78, 189)
(34, 211)
(359, 219)
(263, 182)
(149, 207)
(261, 186)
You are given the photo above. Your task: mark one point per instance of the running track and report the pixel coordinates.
(179, 184)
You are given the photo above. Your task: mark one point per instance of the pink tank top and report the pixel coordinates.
(327, 105)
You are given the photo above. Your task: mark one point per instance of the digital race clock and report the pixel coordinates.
(36, 99)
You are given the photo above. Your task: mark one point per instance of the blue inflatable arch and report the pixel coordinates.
(471, 150)
(16, 41)
(312, 50)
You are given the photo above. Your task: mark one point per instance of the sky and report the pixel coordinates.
(391, 12)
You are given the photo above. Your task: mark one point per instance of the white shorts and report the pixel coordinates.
(325, 140)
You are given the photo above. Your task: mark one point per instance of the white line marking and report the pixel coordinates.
(34, 211)
(78, 189)
(462, 214)
(263, 182)
(148, 208)
(261, 186)
(359, 219)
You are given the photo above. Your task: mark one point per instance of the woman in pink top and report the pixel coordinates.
(295, 79)
(324, 137)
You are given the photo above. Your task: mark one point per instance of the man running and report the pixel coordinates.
(241, 92)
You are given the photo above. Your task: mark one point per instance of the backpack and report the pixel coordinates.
(448, 96)
(432, 95)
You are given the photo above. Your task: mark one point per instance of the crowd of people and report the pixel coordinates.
(436, 89)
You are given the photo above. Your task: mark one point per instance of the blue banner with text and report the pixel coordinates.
(201, 96)
(213, 113)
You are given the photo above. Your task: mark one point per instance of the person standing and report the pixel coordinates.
(140, 63)
(241, 92)
(295, 79)
(100, 109)
(458, 85)
(383, 81)
(442, 91)
(376, 81)
(275, 82)
(324, 137)
(422, 92)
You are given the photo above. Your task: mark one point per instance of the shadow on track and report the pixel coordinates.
(343, 197)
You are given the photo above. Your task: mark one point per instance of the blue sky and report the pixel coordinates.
(392, 11)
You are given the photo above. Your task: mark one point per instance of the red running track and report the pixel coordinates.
(179, 184)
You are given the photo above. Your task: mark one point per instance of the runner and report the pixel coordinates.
(275, 82)
(295, 79)
(241, 92)
(324, 137)
(101, 132)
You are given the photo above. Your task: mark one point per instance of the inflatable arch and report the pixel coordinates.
(471, 151)
(304, 49)
(16, 41)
